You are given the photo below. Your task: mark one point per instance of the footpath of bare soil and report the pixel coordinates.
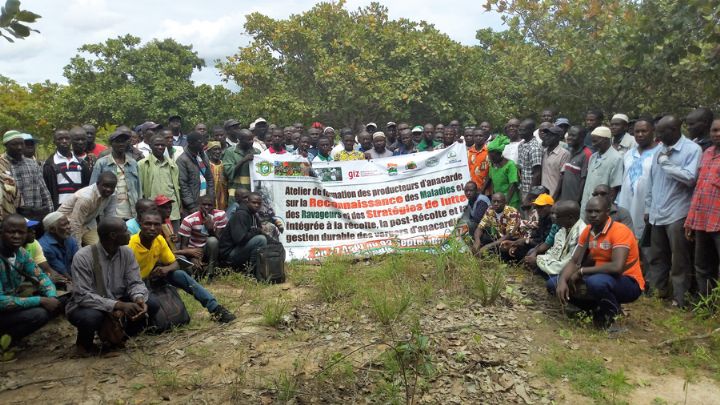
(519, 350)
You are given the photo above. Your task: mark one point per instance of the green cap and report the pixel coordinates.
(417, 128)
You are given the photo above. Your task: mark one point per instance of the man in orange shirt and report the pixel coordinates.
(610, 270)
(478, 158)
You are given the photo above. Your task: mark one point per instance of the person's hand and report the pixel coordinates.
(506, 245)
(689, 234)
(196, 253)
(575, 277)
(174, 238)
(563, 291)
(646, 218)
(130, 309)
(530, 261)
(248, 157)
(159, 272)
(476, 246)
(50, 304)
(281, 228)
(143, 309)
(209, 223)
(367, 156)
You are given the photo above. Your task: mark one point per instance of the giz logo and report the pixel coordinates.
(353, 173)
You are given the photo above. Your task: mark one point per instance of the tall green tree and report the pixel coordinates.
(14, 22)
(349, 67)
(28, 108)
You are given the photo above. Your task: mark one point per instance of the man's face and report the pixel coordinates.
(61, 229)
(314, 135)
(497, 203)
(547, 116)
(90, 132)
(591, 121)
(261, 129)
(596, 213)
(295, 140)
(158, 146)
(549, 140)
(201, 129)
(644, 134)
(288, 133)
(449, 136)
(564, 219)
(365, 140)
(134, 138)
(512, 128)
(470, 191)
(618, 127)
(417, 136)
(348, 142)
(525, 129)
(573, 137)
(175, 124)
(696, 125)
(206, 206)
(480, 136)
(219, 135)
(62, 141)
(196, 146)
(254, 203)
(486, 127)
(379, 144)
(715, 133)
(543, 210)
(324, 146)
(406, 138)
(14, 233)
(305, 142)
(29, 150)
(391, 131)
(168, 139)
(600, 143)
(401, 127)
(455, 124)
(151, 225)
(165, 210)
(15, 148)
(120, 144)
(106, 187)
(79, 143)
(428, 132)
(147, 135)
(277, 138)
(215, 153)
(666, 133)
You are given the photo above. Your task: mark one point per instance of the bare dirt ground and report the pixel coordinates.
(519, 350)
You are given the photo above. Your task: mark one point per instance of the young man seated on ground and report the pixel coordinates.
(122, 295)
(202, 230)
(164, 207)
(35, 250)
(477, 205)
(57, 244)
(501, 222)
(555, 252)
(142, 205)
(241, 196)
(243, 236)
(612, 275)
(532, 237)
(157, 263)
(21, 316)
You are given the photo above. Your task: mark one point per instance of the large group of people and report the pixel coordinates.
(594, 209)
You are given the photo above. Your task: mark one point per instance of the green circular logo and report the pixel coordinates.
(264, 168)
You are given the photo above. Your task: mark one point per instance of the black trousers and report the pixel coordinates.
(22, 322)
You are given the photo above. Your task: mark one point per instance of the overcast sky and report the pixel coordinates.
(213, 27)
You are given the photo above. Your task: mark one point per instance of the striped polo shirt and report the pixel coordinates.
(193, 227)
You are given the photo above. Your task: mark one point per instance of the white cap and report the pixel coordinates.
(378, 134)
(371, 123)
(621, 117)
(252, 126)
(603, 132)
(259, 120)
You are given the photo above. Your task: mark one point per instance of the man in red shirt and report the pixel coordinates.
(606, 261)
(201, 230)
(92, 147)
(703, 220)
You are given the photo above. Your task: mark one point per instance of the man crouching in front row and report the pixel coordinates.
(106, 282)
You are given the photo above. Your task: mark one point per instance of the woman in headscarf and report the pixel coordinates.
(503, 176)
(214, 152)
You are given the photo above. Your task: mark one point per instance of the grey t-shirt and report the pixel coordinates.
(573, 174)
(375, 155)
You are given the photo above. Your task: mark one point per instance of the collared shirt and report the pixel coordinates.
(423, 146)
(573, 174)
(133, 226)
(36, 252)
(635, 186)
(530, 154)
(552, 166)
(320, 157)
(375, 155)
(68, 176)
(352, 155)
(478, 208)
(193, 227)
(161, 177)
(511, 151)
(15, 270)
(147, 259)
(144, 148)
(29, 180)
(503, 178)
(605, 168)
(402, 150)
(506, 223)
(704, 214)
(84, 207)
(626, 143)
(671, 182)
(563, 247)
(98, 149)
(614, 235)
(59, 256)
(479, 165)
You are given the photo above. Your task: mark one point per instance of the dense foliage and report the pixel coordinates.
(348, 67)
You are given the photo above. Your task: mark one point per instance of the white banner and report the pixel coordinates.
(364, 206)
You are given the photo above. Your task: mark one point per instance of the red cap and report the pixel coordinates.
(317, 125)
(162, 200)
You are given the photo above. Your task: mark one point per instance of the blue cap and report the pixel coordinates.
(562, 121)
(28, 137)
(30, 223)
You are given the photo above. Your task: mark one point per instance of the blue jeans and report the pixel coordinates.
(240, 255)
(605, 293)
(183, 281)
(23, 321)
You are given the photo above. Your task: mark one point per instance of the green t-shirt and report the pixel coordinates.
(502, 178)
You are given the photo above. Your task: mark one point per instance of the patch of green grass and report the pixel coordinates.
(301, 275)
(194, 308)
(166, 378)
(337, 370)
(335, 280)
(588, 376)
(388, 303)
(273, 311)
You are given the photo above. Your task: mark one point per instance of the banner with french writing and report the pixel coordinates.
(364, 206)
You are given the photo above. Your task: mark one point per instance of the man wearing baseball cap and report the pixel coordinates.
(622, 140)
(605, 166)
(147, 130)
(34, 198)
(125, 167)
(175, 125)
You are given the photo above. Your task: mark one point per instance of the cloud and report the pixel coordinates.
(214, 28)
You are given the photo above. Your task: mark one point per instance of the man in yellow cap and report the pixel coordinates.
(532, 236)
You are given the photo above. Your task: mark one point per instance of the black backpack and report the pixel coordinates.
(172, 310)
(270, 266)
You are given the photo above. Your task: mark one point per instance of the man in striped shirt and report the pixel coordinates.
(63, 172)
(201, 230)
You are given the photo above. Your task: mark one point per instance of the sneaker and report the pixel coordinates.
(222, 315)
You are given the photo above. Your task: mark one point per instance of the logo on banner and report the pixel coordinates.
(411, 165)
(392, 169)
(452, 157)
(433, 161)
(264, 168)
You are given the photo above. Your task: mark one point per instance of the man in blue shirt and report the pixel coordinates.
(142, 205)
(672, 179)
(21, 316)
(57, 244)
